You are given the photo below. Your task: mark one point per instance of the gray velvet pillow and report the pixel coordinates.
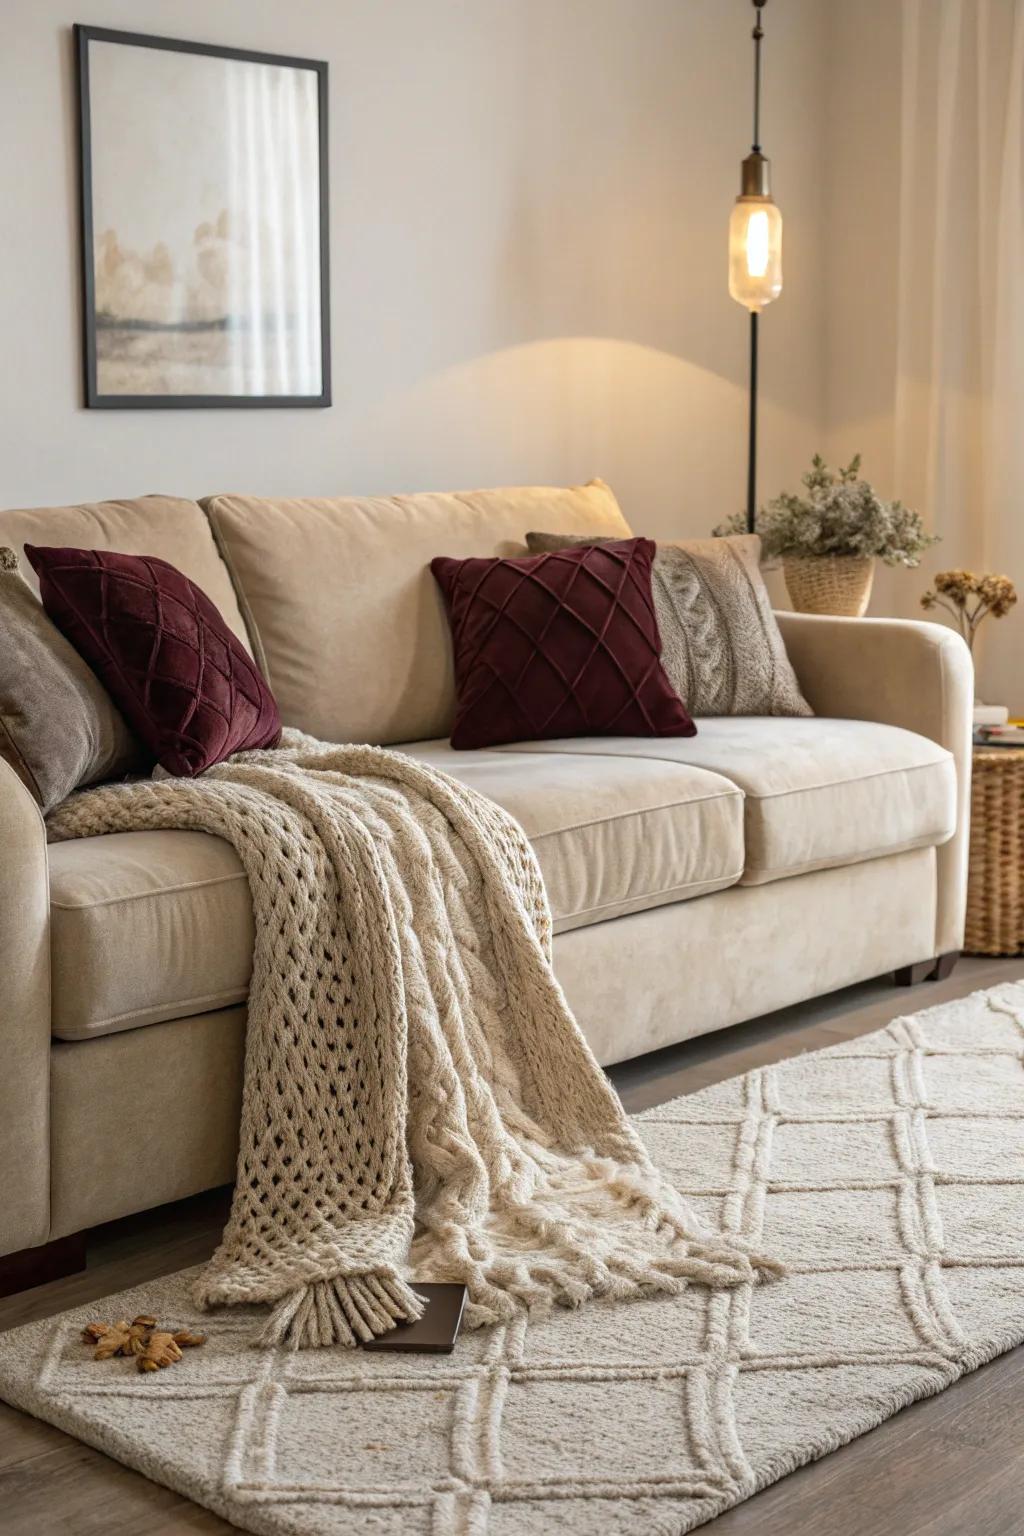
(721, 646)
(59, 728)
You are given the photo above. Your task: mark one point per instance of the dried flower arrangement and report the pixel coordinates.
(971, 597)
(840, 515)
(142, 1339)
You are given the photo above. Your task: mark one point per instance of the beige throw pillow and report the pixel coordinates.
(721, 645)
(59, 728)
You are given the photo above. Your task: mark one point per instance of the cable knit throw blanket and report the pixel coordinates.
(418, 1099)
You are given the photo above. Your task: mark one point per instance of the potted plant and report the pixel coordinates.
(829, 538)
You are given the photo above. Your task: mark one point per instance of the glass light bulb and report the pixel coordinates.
(755, 252)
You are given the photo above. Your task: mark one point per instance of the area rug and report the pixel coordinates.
(888, 1174)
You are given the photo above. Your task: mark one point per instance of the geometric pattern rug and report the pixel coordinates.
(886, 1172)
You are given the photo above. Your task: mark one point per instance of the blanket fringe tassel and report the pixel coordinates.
(347, 1310)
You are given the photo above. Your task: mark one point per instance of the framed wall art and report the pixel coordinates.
(204, 224)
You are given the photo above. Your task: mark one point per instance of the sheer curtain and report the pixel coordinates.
(266, 241)
(960, 329)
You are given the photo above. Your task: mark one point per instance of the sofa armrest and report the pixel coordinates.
(899, 672)
(24, 1019)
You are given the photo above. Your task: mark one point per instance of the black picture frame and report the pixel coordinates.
(94, 398)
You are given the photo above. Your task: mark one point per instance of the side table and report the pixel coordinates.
(995, 882)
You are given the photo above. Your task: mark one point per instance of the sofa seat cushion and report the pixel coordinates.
(148, 926)
(817, 792)
(612, 834)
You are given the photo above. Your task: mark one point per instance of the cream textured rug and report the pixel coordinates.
(888, 1173)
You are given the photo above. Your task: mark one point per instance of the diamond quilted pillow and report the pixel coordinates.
(558, 645)
(180, 677)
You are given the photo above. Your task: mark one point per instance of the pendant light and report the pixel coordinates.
(755, 252)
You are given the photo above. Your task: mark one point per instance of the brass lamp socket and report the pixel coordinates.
(755, 176)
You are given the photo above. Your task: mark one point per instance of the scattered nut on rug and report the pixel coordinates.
(142, 1338)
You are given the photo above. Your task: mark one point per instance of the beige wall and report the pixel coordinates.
(528, 209)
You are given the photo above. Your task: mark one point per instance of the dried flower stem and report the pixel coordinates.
(954, 591)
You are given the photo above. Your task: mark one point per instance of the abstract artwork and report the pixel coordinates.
(204, 224)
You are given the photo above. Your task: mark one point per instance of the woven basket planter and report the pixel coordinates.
(995, 883)
(836, 584)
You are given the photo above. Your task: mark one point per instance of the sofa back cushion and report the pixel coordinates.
(347, 623)
(168, 527)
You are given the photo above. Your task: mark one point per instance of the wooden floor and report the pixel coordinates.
(948, 1466)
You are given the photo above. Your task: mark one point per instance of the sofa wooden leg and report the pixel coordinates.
(35, 1266)
(936, 969)
(945, 964)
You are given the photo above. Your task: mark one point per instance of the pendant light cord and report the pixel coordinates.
(757, 35)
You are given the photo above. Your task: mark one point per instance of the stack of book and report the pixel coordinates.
(1009, 734)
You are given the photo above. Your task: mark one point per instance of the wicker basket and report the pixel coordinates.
(995, 882)
(837, 584)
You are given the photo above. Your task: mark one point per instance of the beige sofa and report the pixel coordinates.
(694, 882)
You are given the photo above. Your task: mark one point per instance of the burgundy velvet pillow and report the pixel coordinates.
(561, 644)
(181, 679)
